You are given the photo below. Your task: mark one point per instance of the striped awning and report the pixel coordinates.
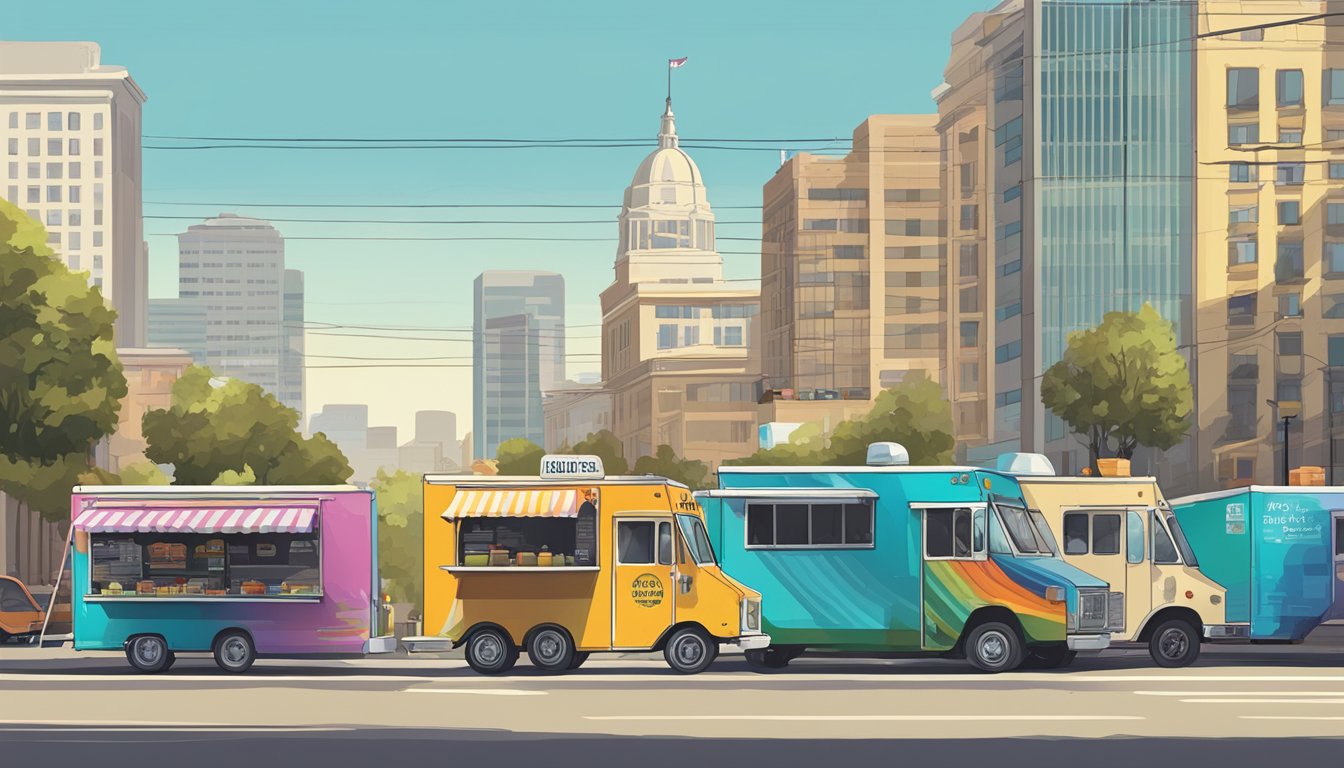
(470, 502)
(119, 519)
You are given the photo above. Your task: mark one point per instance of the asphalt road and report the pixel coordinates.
(1238, 706)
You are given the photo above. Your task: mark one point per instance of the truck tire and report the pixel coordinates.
(550, 649)
(579, 658)
(767, 658)
(1049, 657)
(1175, 643)
(491, 652)
(234, 652)
(994, 647)
(148, 653)
(690, 651)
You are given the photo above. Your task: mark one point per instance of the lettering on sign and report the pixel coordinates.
(686, 503)
(572, 467)
(647, 590)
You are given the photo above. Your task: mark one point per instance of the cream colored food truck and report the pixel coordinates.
(1121, 530)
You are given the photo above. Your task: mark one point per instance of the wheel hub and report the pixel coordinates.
(689, 651)
(489, 650)
(148, 651)
(993, 648)
(1173, 644)
(235, 651)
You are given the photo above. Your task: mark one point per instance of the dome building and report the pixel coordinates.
(678, 341)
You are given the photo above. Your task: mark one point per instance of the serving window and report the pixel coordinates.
(564, 540)
(205, 565)
(810, 524)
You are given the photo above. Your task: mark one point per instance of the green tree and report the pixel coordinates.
(665, 463)
(214, 426)
(606, 446)
(143, 473)
(806, 446)
(519, 456)
(401, 534)
(61, 384)
(1122, 384)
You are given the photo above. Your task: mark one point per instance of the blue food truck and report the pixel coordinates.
(889, 558)
(1279, 550)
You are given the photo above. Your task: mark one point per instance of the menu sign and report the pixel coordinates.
(585, 531)
(571, 467)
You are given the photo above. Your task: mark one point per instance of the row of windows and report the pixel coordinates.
(1243, 88)
(1290, 265)
(810, 525)
(842, 193)
(73, 170)
(837, 225)
(55, 147)
(56, 121)
(1100, 533)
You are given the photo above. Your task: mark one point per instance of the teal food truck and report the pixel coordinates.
(1279, 551)
(889, 558)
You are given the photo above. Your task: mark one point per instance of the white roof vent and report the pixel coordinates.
(1033, 464)
(887, 455)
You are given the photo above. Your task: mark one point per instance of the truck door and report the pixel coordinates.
(1337, 539)
(954, 543)
(1102, 543)
(643, 597)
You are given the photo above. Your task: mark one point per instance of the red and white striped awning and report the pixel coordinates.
(472, 502)
(98, 519)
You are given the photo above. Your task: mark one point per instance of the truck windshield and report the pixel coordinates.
(697, 541)
(1023, 529)
(1187, 554)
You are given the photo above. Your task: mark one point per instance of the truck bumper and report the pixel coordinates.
(748, 642)
(427, 644)
(1089, 642)
(1227, 631)
(384, 644)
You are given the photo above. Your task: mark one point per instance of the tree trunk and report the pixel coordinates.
(1094, 451)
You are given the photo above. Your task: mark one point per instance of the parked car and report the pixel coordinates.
(20, 616)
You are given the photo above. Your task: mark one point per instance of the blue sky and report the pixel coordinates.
(593, 68)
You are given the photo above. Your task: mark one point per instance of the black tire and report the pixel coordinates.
(1049, 657)
(551, 649)
(491, 652)
(148, 653)
(767, 658)
(994, 647)
(579, 658)
(234, 652)
(690, 651)
(172, 659)
(1175, 643)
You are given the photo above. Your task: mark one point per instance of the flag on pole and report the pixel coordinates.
(676, 63)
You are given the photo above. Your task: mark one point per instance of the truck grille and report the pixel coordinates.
(1115, 621)
(1092, 610)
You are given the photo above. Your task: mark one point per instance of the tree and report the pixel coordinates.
(913, 413)
(213, 426)
(1122, 384)
(519, 456)
(143, 473)
(606, 446)
(401, 534)
(665, 463)
(61, 384)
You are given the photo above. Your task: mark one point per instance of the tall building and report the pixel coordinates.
(150, 375)
(178, 324)
(1270, 223)
(678, 341)
(1087, 186)
(518, 350)
(71, 129)
(574, 411)
(851, 256)
(346, 425)
(234, 268)
(435, 447)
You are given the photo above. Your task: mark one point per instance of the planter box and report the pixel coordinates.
(1113, 467)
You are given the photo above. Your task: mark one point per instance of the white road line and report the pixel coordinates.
(66, 726)
(871, 718)
(1327, 694)
(1293, 717)
(478, 691)
(1261, 701)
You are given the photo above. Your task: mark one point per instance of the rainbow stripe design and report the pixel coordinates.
(954, 589)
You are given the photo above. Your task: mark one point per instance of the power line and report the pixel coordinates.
(412, 205)
(509, 222)
(494, 139)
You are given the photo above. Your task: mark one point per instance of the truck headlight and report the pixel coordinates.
(1055, 594)
(751, 615)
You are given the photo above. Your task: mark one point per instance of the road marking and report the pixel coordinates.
(869, 718)
(478, 691)
(1327, 694)
(1293, 717)
(64, 726)
(1262, 701)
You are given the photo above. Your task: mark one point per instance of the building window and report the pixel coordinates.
(1290, 212)
(970, 260)
(1333, 86)
(970, 333)
(1288, 87)
(1337, 170)
(1243, 88)
(843, 193)
(1288, 267)
(1335, 354)
(1334, 305)
(847, 251)
(1012, 193)
(1005, 399)
(968, 299)
(970, 376)
(54, 218)
(1005, 312)
(1241, 309)
(803, 525)
(1290, 344)
(1243, 366)
(32, 121)
(1010, 268)
(72, 121)
(1244, 133)
(1334, 260)
(54, 193)
(1244, 172)
(1241, 252)
(1010, 138)
(1289, 391)
(667, 336)
(1290, 135)
(1243, 214)
(1290, 174)
(1010, 351)
(970, 215)
(55, 147)
(1290, 304)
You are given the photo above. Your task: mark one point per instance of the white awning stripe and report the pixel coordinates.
(514, 502)
(197, 520)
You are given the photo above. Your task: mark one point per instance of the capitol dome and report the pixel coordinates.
(666, 206)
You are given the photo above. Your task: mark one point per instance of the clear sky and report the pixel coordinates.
(771, 69)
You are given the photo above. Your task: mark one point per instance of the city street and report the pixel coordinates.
(359, 711)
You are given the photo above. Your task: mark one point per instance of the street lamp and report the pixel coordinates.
(1288, 410)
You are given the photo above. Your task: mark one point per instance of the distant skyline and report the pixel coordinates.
(760, 70)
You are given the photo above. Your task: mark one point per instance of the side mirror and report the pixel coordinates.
(685, 583)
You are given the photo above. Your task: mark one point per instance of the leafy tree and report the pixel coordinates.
(60, 381)
(143, 473)
(214, 426)
(234, 477)
(665, 463)
(805, 447)
(400, 533)
(606, 446)
(519, 456)
(1122, 384)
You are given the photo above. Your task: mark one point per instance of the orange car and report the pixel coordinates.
(20, 615)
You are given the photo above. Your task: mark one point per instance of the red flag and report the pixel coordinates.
(676, 63)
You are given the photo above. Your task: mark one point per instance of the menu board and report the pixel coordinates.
(585, 535)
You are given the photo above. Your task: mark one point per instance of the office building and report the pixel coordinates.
(70, 126)
(572, 412)
(292, 369)
(178, 324)
(435, 447)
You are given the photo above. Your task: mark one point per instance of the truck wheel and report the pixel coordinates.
(767, 658)
(234, 652)
(490, 652)
(1174, 643)
(690, 651)
(994, 647)
(550, 649)
(148, 653)
(579, 658)
(1049, 657)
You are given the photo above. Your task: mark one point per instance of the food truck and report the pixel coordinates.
(891, 558)
(237, 571)
(1122, 530)
(573, 562)
(1279, 550)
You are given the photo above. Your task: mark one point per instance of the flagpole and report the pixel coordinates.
(669, 84)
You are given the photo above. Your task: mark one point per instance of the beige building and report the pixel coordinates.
(573, 412)
(1270, 229)
(677, 339)
(150, 375)
(851, 264)
(71, 133)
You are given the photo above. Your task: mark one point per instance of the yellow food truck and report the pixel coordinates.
(573, 562)
(1121, 530)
